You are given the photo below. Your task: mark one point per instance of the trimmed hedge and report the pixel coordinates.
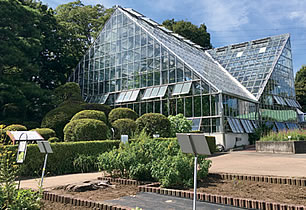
(154, 123)
(86, 129)
(61, 160)
(122, 113)
(90, 114)
(46, 133)
(124, 127)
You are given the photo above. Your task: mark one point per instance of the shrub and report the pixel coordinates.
(54, 139)
(179, 124)
(124, 127)
(122, 113)
(31, 124)
(61, 160)
(15, 127)
(153, 160)
(85, 163)
(69, 91)
(57, 118)
(46, 133)
(99, 107)
(90, 114)
(296, 135)
(86, 129)
(154, 123)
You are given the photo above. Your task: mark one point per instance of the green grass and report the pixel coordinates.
(296, 135)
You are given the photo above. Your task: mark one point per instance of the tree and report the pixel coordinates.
(80, 25)
(300, 87)
(198, 35)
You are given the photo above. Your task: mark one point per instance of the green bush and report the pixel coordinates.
(46, 133)
(57, 118)
(61, 160)
(154, 123)
(122, 113)
(296, 135)
(54, 139)
(85, 163)
(179, 124)
(124, 127)
(69, 91)
(15, 127)
(90, 114)
(86, 130)
(99, 107)
(153, 160)
(31, 124)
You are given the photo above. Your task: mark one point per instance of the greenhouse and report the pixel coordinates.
(226, 91)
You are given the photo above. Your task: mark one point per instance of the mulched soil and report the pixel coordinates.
(286, 194)
(213, 184)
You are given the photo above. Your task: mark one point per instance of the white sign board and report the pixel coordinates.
(193, 143)
(24, 135)
(124, 138)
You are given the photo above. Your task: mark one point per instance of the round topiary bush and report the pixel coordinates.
(57, 118)
(90, 114)
(124, 127)
(122, 113)
(15, 127)
(154, 123)
(100, 107)
(86, 129)
(46, 133)
(54, 139)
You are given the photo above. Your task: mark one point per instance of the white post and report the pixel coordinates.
(195, 182)
(43, 170)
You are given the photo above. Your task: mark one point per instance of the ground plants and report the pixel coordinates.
(179, 124)
(85, 163)
(295, 135)
(152, 160)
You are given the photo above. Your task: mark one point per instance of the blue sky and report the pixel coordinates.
(228, 21)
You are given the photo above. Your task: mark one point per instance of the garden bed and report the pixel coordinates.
(281, 146)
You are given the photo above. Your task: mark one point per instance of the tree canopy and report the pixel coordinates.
(198, 35)
(300, 87)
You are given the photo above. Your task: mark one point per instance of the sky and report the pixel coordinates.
(227, 21)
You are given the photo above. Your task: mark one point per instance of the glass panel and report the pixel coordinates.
(232, 126)
(177, 89)
(127, 96)
(186, 88)
(162, 91)
(245, 126)
(154, 92)
(134, 95)
(196, 124)
(188, 107)
(120, 97)
(147, 93)
(197, 106)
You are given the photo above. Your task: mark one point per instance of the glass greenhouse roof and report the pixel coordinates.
(193, 55)
(252, 63)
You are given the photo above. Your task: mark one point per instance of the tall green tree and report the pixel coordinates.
(300, 87)
(80, 25)
(198, 35)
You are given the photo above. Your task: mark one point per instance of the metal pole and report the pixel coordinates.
(43, 170)
(195, 182)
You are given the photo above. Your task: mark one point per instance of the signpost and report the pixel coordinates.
(23, 137)
(195, 144)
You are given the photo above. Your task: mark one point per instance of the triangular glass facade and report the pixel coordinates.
(251, 63)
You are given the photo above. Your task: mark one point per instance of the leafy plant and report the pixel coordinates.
(296, 135)
(90, 114)
(154, 123)
(85, 163)
(124, 127)
(152, 160)
(122, 113)
(179, 124)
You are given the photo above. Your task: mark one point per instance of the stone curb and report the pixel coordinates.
(53, 197)
(300, 182)
(124, 181)
(220, 199)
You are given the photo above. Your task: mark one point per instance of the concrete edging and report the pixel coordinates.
(53, 197)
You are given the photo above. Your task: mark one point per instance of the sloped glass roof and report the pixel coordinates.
(198, 60)
(251, 63)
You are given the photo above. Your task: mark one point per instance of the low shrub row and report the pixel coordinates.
(295, 135)
(63, 157)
